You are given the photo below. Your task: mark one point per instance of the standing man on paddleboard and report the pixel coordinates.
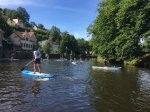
(37, 60)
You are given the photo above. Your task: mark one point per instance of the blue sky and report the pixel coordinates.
(73, 16)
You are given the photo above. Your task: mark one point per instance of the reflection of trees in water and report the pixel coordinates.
(36, 87)
(114, 91)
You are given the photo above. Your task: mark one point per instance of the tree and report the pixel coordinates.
(23, 14)
(47, 47)
(41, 26)
(8, 13)
(83, 46)
(54, 34)
(68, 43)
(32, 23)
(4, 26)
(118, 28)
(146, 45)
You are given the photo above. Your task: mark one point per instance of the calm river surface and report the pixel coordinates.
(76, 88)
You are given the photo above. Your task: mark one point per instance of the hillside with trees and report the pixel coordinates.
(66, 42)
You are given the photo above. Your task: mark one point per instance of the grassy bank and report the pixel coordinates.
(143, 61)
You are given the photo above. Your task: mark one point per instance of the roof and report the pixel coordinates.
(21, 34)
(30, 34)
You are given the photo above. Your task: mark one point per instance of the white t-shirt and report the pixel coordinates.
(37, 54)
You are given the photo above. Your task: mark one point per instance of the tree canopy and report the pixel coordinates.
(118, 28)
(20, 13)
(68, 43)
(55, 34)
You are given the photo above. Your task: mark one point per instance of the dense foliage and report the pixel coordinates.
(55, 34)
(46, 48)
(19, 13)
(68, 44)
(118, 28)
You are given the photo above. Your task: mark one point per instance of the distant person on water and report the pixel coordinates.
(105, 62)
(37, 60)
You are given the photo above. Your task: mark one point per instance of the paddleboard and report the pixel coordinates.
(61, 60)
(74, 62)
(106, 68)
(37, 74)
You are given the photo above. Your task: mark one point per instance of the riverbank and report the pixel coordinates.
(143, 61)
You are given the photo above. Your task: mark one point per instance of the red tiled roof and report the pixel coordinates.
(20, 34)
(30, 34)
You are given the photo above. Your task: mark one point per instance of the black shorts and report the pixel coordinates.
(37, 61)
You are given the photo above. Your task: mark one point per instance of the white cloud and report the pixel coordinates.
(9, 3)
(69, 9)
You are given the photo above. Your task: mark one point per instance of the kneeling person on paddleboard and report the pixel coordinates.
(37, 60)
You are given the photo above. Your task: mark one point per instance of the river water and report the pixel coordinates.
(76, 88)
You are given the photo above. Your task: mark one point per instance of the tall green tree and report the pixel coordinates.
(68, 43)
(47, 47)
(55, 34)
(83, 46)
(23, 14)
(9, 13)
(118, 27)
(4, 26)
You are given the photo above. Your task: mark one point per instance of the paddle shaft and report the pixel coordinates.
(26, 65)
(29, 63)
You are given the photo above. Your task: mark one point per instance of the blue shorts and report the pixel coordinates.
(37, 61)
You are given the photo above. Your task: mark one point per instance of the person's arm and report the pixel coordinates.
(40, 54)
(33, 56)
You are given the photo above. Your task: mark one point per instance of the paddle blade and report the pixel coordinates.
(22, 68)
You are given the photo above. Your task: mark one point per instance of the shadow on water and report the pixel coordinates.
(77, 88)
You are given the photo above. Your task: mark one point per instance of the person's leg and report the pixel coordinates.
(39, 68)
(34, 67)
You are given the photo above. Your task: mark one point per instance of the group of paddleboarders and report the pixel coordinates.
(37, 60)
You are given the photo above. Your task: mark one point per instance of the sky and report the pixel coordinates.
(73, 16)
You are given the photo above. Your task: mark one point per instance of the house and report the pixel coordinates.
(1, 45)
(35, 28)
(23, 41)
(15, 22)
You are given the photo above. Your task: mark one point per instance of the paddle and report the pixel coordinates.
(26, 65)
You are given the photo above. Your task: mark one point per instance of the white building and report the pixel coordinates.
(23, 40)
(15, 22)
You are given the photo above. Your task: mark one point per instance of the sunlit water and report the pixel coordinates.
(76, 88)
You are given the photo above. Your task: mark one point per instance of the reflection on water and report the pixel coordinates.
(35, 87)
(77, 88)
